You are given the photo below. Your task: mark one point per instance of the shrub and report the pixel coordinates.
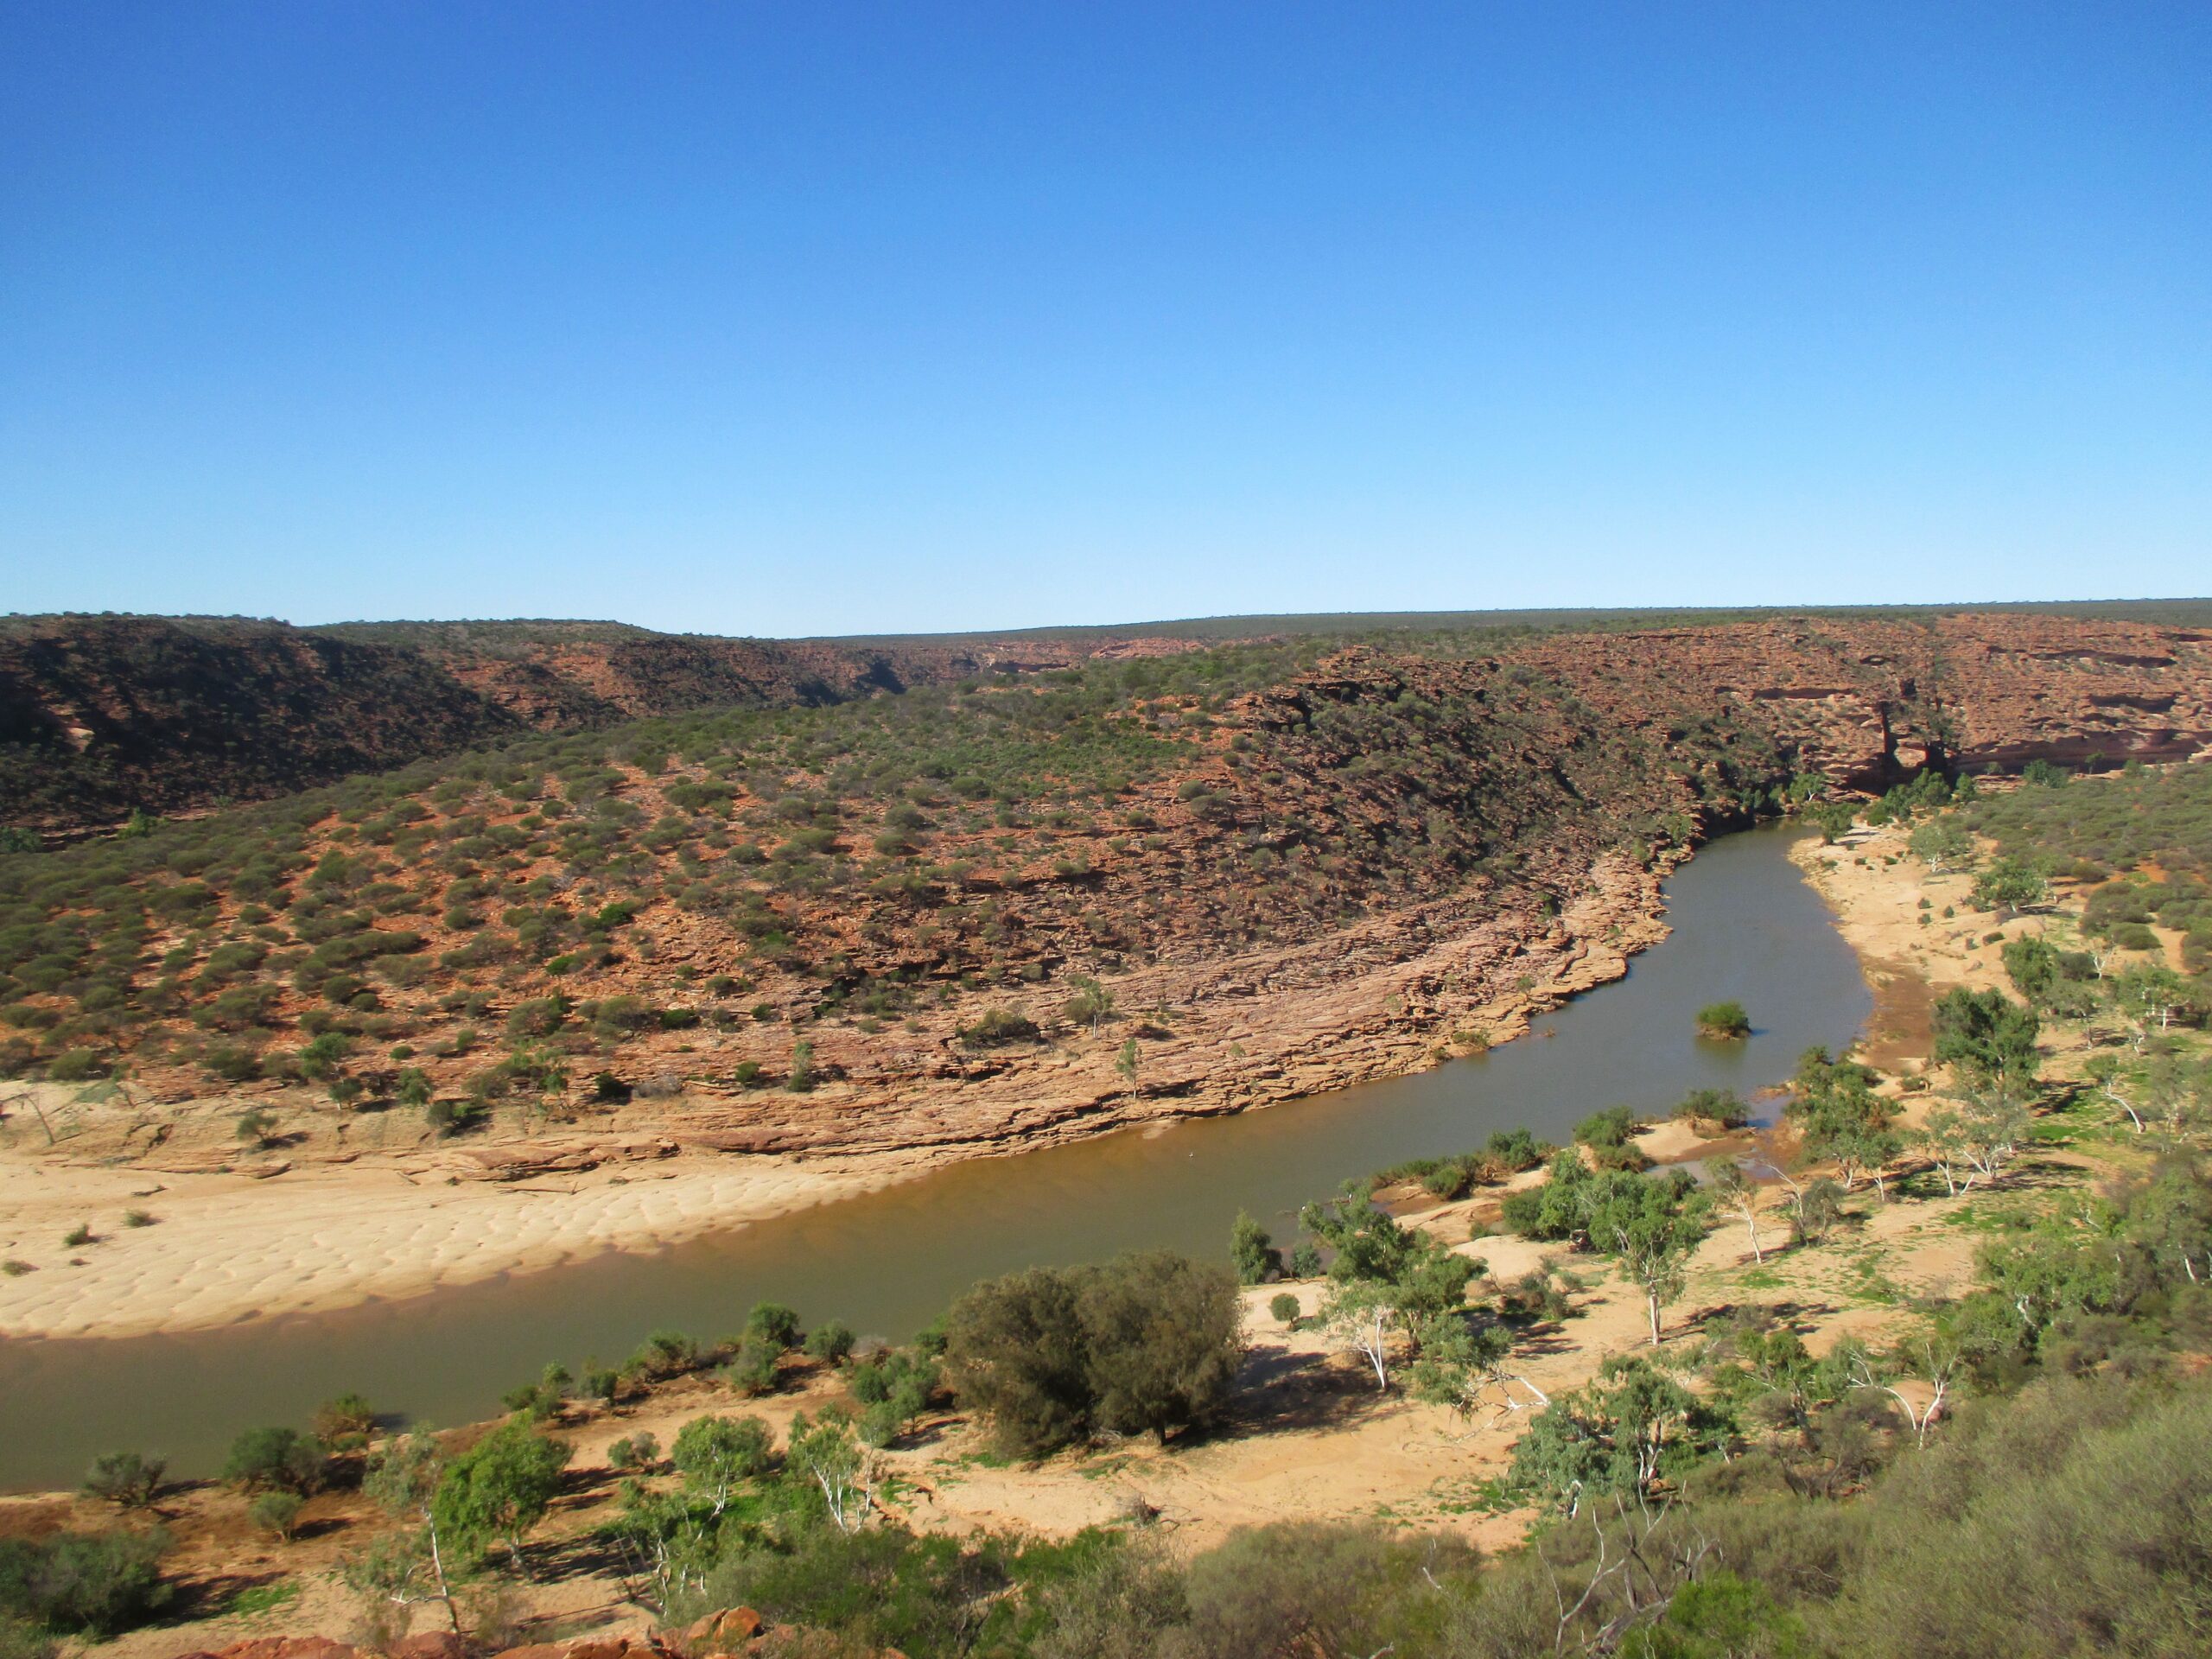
(79, 1236)
(1449, 1178)
(830, 1342)
(279, 1459)
(1148, 1341)
(1015, 1353)
(75, 1066)
(1725, 1021)
(319, 1059)
(100, 1583)
(538, 1016)
(138, 1218)
(752, 1372)
(276, 1514)
(996, 1027)
(125, 1478)
(230, 1063)
(1717, 1108)
(1332, 1587)
(633, 1453)
(345, 1421)
(663, 1354)
(1603, 1130)
(1514, 1150)
(1165, 1337)
(1252, 1252)
(1284, 1306)
(773, 1323)
(452, 1117)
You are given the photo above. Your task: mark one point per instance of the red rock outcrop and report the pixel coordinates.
(1867, 702)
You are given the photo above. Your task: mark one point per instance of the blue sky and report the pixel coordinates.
(829, 318)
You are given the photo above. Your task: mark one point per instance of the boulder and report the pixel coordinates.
(727, 1631)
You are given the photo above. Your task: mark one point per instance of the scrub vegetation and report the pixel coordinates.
(543, 923)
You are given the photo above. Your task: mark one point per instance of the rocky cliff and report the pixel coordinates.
(1867, 703)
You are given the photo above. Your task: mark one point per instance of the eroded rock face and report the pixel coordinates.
(1867, 702)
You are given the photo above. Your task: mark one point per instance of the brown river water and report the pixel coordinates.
(1746, 925)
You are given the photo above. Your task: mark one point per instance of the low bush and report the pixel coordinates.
(279, 1459)
(98, 1583)
(125, 1478)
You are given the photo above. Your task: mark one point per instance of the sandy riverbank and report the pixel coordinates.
(228, 1247)
(1879, 893)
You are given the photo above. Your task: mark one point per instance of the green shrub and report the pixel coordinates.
(995, 1027)
(276, 1514)
(1726, 1022)
(1149, 1341)
(773, 1323)
(100, 1583)
(125, 1478)
(1252, 1252)
(1609, 1129)
(279, 1459)
(752, 1370)
(830, 1342)
(633, 1453)
(75, 1066)
(1714, 1109)
(345, 1421)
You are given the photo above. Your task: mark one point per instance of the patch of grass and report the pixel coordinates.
(1868, 1283)
(257, 1598)
(1474, 1495)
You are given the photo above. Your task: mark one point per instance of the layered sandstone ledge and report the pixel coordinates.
(355, 1209)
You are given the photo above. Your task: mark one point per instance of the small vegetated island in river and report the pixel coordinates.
(1850, 1391)
(1723, 1021)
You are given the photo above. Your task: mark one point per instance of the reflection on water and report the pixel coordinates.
(1745, 927)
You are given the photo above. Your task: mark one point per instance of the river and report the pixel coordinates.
(1746, 924)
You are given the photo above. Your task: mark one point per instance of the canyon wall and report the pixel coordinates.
(100, 715)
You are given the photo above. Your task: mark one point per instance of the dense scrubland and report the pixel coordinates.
(2007, 1462)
